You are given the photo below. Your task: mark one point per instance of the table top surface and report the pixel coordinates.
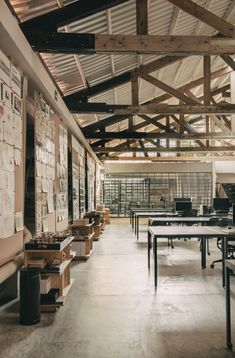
(186, 219)
(153, 213)
(152, 209)
(189, 231)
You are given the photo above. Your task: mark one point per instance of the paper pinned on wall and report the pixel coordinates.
(45, 224)
(38, 169)
(50, 204)
(17, 156)
(19, 221)
(1, 128)
(45, 186)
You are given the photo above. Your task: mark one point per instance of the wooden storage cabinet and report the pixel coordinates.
(59, 274)
(83, 247)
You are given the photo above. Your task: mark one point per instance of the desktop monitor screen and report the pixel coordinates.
(183, 206)
(182, 199)
(221, 204)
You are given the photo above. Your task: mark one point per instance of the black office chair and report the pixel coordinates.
(231, 244)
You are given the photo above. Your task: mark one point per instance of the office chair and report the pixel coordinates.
(231, 244)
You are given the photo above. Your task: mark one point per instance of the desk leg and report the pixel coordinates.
(149, 248)
(137, 229)
(155, 260)
(224, 257)
(203, 252)
(130, 216)
(228, 310)
(135, 223)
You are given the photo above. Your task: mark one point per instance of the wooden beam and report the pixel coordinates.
(141, 143)
(159, 135)
(152, 108)
(207, 89)
(67, 14)
(172, 91)
(198, 82)
(142, 17)
(171, 149)
(156, 123)
(83, 43)
(205, 16)
(230, 62)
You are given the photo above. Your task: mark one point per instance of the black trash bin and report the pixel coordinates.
(29, 296)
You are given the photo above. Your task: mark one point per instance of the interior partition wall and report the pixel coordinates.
(125, 190)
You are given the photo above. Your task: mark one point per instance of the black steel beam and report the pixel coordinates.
(104, 123)
(61, 42)
(158, 135)
(171, 149)
(68, 14)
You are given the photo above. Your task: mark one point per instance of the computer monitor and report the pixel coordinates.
(184, 206)
(221, 204)
(182, 199)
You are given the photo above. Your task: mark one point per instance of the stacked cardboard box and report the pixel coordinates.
(106, 213)
(83, 233)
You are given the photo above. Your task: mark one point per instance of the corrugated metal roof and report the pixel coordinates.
(72, 73)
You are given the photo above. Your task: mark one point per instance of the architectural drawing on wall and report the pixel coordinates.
(90, 183)
(10, 141)
(45, 162)
(75, 173)
(62, 174)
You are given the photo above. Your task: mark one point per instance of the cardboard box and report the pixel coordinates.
(80, 222)
(83, 230)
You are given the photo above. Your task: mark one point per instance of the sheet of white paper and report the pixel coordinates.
(17, 156)
(38, 169)
(19, 221)
(45, 224)
(50, 204)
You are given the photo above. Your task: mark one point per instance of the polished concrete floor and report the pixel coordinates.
(113, 311)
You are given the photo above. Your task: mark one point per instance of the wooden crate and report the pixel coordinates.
(83, 247)
(97, 229)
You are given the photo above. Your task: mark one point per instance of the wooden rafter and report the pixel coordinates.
(142, 17)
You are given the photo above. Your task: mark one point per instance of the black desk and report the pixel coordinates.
(179, 220)
(174, 232)
(230, 268)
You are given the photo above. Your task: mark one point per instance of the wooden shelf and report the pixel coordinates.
(60, 300)
(85, 257)
(60, 277)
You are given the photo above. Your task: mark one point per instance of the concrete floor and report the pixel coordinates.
(112, 310)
